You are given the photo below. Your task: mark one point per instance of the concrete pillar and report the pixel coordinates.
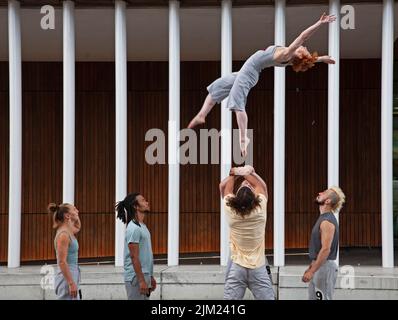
(279, 140)
(173, 136)
(15, 174)
(121, 122)
(387, 134)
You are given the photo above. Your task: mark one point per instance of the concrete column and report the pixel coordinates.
(226, 121)
(387, 134)
(121, 122)
(279, 140)
(334, 99)
(15, 174)
(173, 136)
(68, 189)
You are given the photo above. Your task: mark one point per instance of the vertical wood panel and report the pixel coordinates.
(95, 157)
(41, 155)
(360, 148)
(4, 159)
(148, 109)
(306, 152)
(260, 110)
(306, 162)
(199, 196)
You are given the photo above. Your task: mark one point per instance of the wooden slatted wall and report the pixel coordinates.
(41, 156)
(306, 153)
(4, 160)
(95, 157)
(360, 147)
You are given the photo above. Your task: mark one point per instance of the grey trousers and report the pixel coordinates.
(220, 88)
(236, 86)
(61, 285)
(323, 282)
(239, 278)
(133, 288)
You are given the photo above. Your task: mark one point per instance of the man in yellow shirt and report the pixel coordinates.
(247, 215)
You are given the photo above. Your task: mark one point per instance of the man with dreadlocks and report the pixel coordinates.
(138, 256)
(324, 244)
(247, 215)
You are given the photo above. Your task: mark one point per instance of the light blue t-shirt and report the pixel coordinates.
(142, 236)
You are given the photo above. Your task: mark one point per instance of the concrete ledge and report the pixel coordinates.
(21, 292)
(204, 274)
(196, 282)
(202, 282)
(371, 278)
(340, 294)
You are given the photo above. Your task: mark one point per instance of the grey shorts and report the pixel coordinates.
(239, 278)
(133, 288)
(323, 282)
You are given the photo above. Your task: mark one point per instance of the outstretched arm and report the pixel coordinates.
(287, 54)
(326, 59)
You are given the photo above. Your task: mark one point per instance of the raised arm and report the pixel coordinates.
(253, 178)
(258, 183)
(226, 186)
(287, 54)
(76, 225)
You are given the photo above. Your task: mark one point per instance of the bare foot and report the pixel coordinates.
(196, 121)
(243, 146)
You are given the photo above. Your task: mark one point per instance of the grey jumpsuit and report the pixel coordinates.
(238, 84)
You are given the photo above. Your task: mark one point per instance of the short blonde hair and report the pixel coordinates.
(339, 201)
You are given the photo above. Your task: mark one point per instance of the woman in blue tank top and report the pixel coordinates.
(236, 86)
(67, 223)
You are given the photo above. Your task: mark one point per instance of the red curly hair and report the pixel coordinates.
(304, 60)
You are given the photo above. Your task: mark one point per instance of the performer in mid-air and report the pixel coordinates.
(236, 86)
